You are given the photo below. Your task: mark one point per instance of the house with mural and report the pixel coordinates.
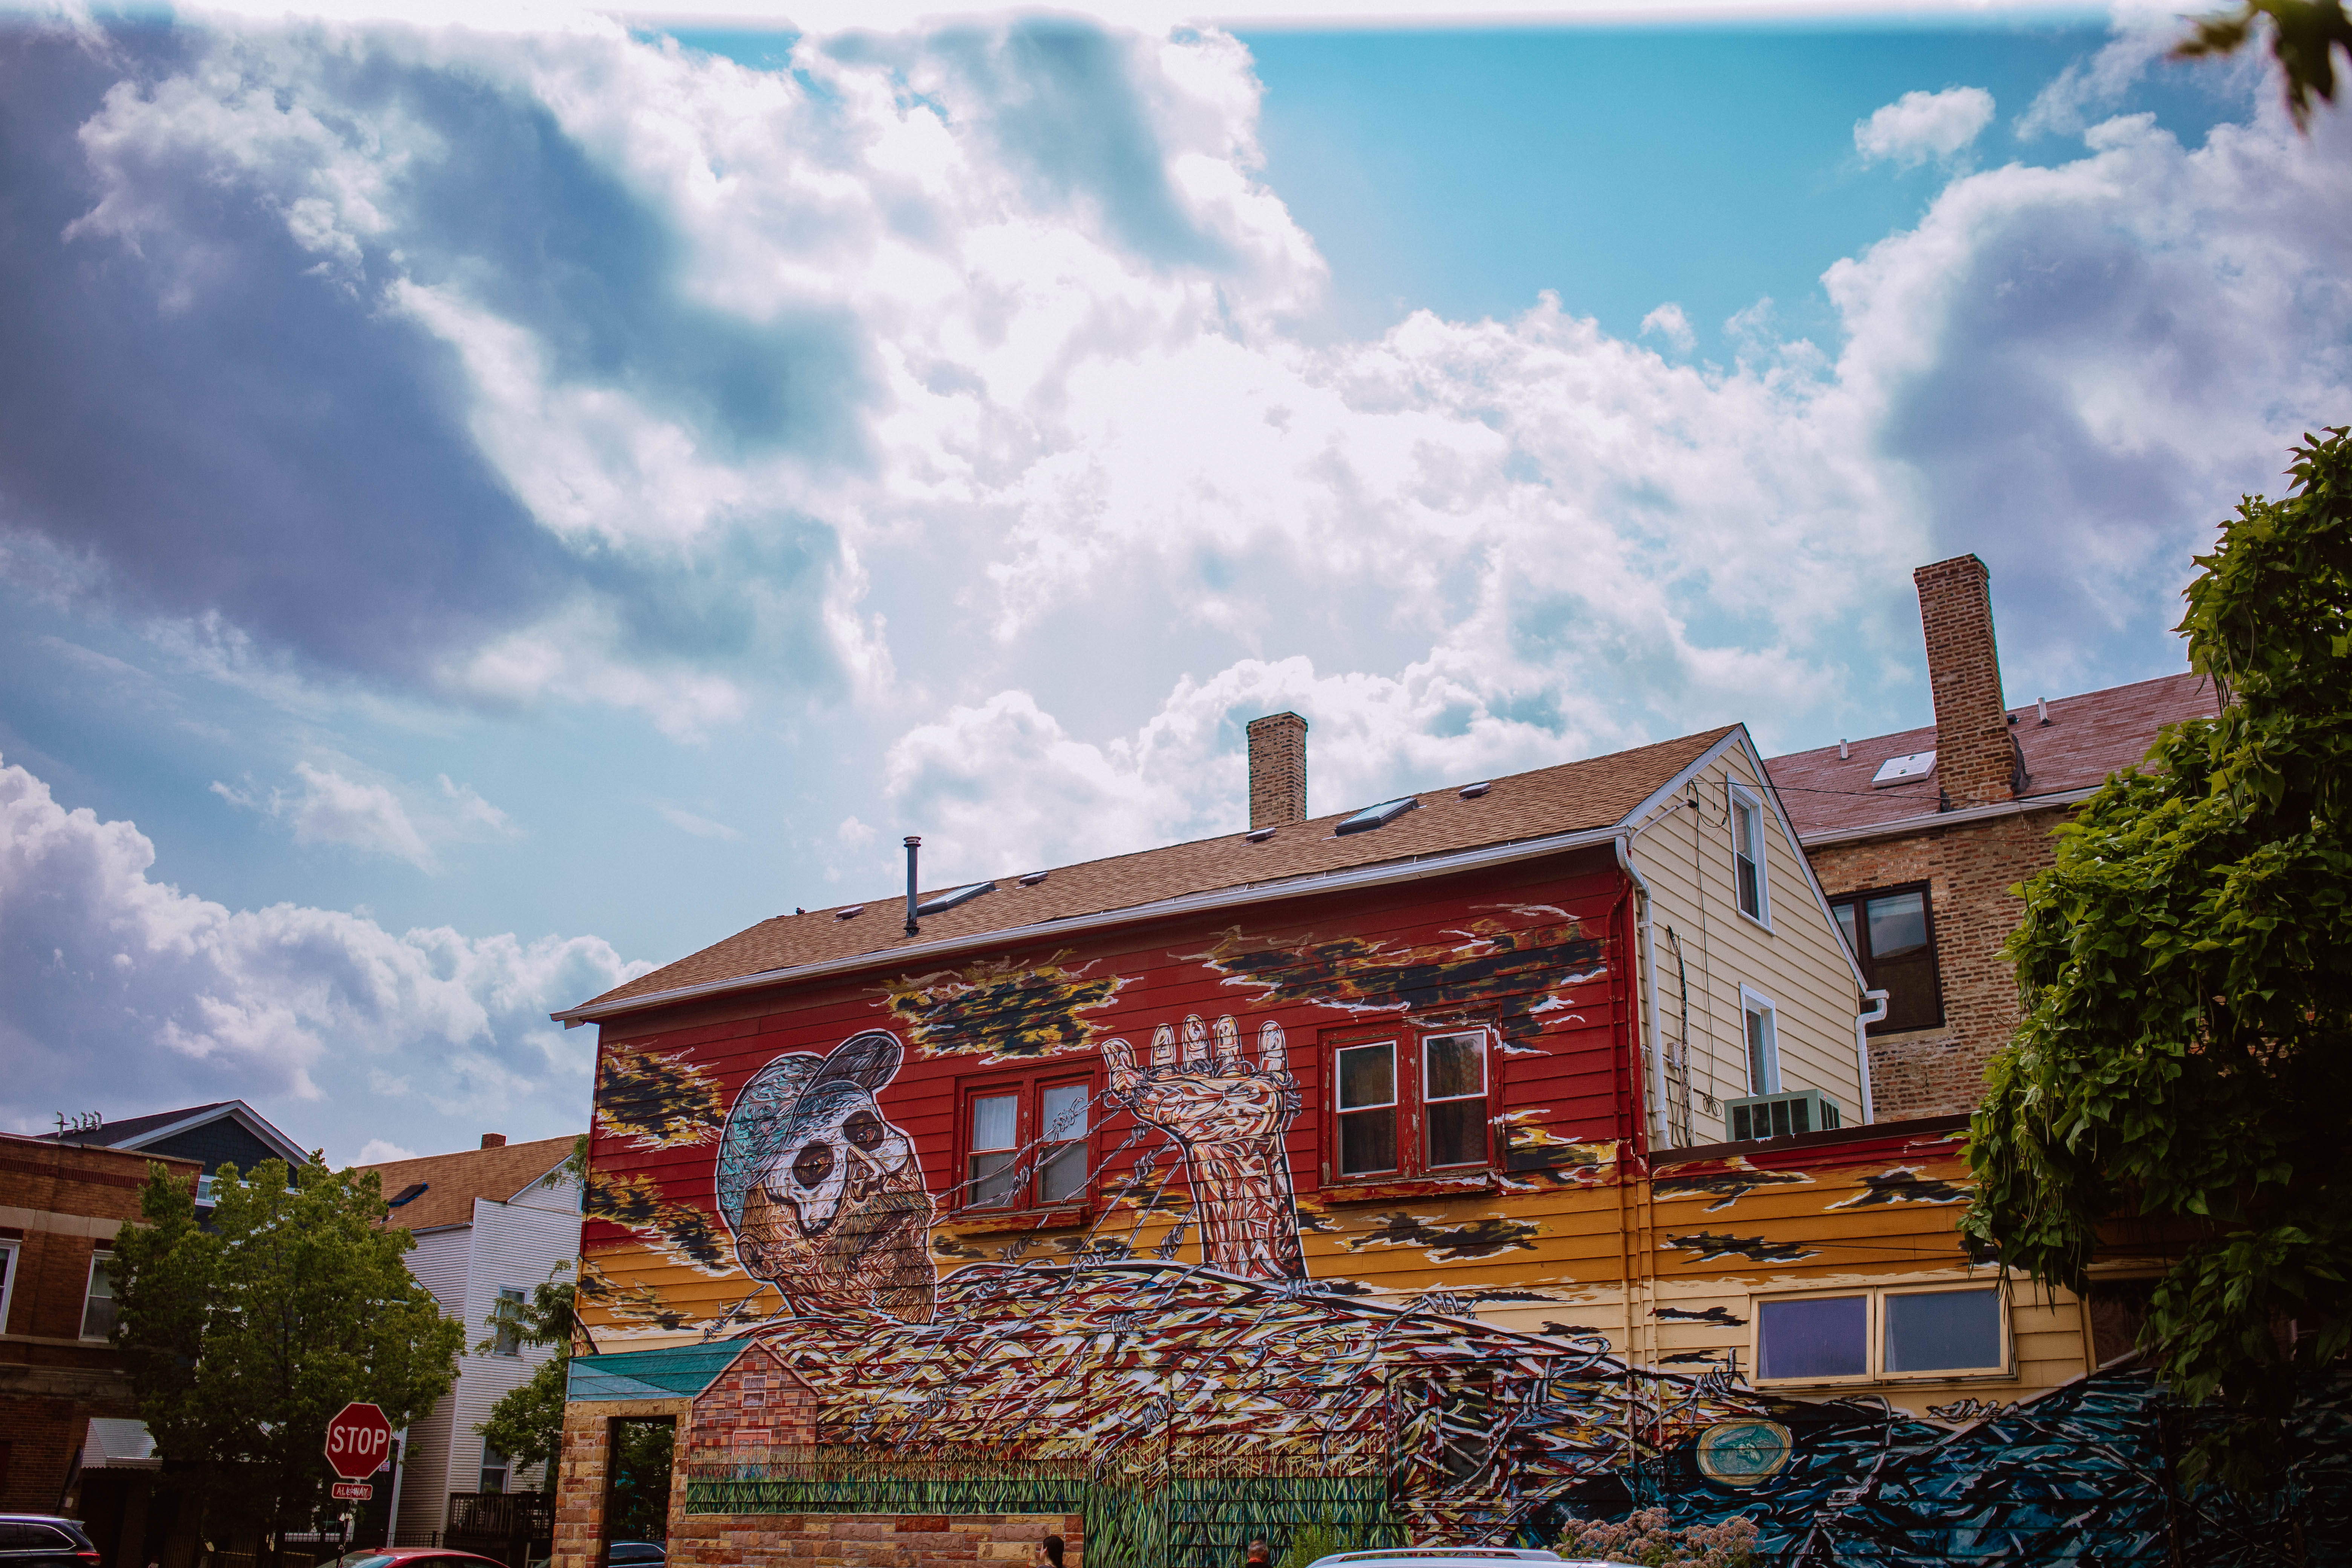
(1437, 1169)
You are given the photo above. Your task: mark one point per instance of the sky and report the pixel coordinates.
(488, 507)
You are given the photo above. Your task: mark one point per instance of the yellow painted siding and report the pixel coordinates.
(1798, 960)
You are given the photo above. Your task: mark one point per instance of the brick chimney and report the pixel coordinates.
(1977, 758)
(494, 1140)
(1277, 763)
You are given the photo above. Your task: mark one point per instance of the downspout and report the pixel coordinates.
(1862, 1023)
(1647, 1035)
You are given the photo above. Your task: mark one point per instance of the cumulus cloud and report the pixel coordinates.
(1920, 127)
(876, 376)
(126, 994)
(1668, 321)
(328, 808)
(382, 1152)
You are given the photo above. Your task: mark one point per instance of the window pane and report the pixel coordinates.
(1763, 1055)
(1746, 853)
(1458, 1132)
(1941, 1331)
(1910, 987)
(1062, 1111)
(993, 1120)
(97, 1311)
(993, 1180)
(1845, 914)
(1898, 925)
(1454, 1065)
(1062, 1177)
(1367, 1141)
(1825, 1337)
(1366, 1075)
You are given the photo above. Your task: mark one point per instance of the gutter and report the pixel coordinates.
(1905, 825)
(1648, 1037)
(1862, 1023)
(1385, 874)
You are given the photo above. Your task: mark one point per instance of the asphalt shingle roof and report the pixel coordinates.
(454, 1181)
(2087, 737)
(1571, 797)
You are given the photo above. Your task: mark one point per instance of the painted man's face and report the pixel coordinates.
(835, 1215)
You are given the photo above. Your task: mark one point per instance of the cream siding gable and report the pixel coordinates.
(1705, 949)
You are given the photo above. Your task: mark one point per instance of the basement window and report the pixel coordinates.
(1378, 816)
(943, 902)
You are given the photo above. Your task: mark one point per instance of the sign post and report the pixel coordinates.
(358, 1439)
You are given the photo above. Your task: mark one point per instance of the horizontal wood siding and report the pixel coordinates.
(1798, 961)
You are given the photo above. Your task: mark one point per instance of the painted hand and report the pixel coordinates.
(1229, 1116)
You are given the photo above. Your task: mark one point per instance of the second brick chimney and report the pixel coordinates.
(1277, 770)
(1976, 756)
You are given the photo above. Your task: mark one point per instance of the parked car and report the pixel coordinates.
(45, 1541)
(638, 1554)
(411, 1557)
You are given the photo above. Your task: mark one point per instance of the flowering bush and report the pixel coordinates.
(1648, 1538)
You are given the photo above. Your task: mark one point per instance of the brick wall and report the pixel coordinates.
(1968, 869)
(1277, 770)
(757, 1404)
(872, 1540)
(1976, 758)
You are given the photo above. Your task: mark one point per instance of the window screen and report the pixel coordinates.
(1763, 1050)
(1822, 1336)
(1453, 1092)
(1367, 1108)
(1062, 1167)
(98, 1309)
(995, 1141)
(509, 1337)
(1747, 855)
(1943, 1331)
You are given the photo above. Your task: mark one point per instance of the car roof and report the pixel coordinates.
(1428, 1556)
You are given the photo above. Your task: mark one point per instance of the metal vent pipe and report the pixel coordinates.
(914, 848)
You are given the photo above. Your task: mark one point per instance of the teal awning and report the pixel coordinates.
(682, 1372)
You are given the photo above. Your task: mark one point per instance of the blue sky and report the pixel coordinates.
(486, 509)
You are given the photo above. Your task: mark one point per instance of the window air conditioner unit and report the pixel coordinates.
(1782, 1115)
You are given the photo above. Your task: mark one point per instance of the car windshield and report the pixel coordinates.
(363, 1560)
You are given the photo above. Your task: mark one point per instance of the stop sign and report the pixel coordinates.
(358, 1439)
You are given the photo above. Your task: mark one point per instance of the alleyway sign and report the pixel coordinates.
(358, 1439)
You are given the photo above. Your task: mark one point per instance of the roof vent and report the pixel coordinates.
(1903, 769)
(943, 902)
(1378, 816)
(1257, 834)
(1472, 792)
(1033, 878)
(409, 1194)
(851, 913)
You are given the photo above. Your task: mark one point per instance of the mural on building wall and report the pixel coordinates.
(1209, 1303)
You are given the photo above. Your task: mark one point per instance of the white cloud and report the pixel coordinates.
(328, 808)
(382, 1152)
(1669, 323)
(1923, 126)
(685, 821)
(127, 994)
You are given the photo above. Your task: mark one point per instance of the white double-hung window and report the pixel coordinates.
(1749, 886)
(1762, 1021)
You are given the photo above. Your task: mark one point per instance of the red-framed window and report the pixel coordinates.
(1410, 1103)
(1025, 1141)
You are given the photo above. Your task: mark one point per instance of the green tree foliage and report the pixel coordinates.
(244, 1338)
(2304, 36)
(2186, 964)
(527, 1424)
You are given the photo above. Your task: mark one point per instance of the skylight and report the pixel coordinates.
(1380, 815)
(1903, 769)
(941, 903)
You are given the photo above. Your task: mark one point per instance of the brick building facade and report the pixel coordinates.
(61, 1209)
(1918, 836)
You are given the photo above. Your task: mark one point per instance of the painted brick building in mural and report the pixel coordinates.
(1919, 835)
(1389, 1150)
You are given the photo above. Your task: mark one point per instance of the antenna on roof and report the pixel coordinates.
(914, 847)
